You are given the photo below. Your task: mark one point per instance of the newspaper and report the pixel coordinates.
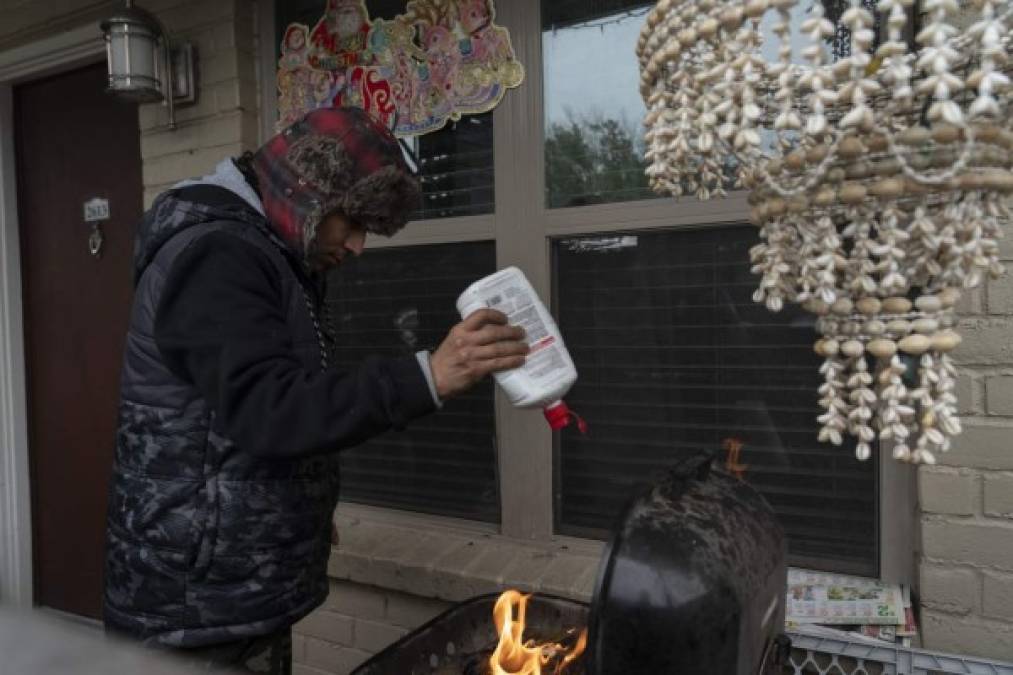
(910, 628)
(822, 598)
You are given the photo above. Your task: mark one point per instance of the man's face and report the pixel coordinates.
(337, 236)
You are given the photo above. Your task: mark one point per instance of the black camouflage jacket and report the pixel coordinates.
(225, 475)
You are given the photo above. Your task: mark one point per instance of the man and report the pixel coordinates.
(226, 475)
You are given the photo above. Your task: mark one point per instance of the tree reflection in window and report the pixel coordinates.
(593, 159)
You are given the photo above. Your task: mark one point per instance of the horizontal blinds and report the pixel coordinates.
(395, 301)
(674, 357)
(455, 169)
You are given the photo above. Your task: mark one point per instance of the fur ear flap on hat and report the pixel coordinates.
(334, 159)
(382, 201)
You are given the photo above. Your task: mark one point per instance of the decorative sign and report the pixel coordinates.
(437, 61)
(96, 209)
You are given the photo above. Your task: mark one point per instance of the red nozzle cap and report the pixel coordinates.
(558, 415)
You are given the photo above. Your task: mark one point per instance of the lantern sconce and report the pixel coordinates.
(144, 65)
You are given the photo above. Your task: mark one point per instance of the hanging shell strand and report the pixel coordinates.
(880, 184)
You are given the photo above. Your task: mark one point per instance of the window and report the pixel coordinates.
(674, 357)
(592, 107)
(652, 295)
(396, 301)
(672, 354)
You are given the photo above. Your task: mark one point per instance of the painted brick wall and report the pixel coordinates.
(356, 622)
(224, 121)
(966, 568)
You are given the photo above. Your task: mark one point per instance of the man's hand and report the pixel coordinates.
(481, 344)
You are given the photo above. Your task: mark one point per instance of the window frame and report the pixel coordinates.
(523, 228)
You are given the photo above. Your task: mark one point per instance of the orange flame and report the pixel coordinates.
(733, 447)
(513, 656)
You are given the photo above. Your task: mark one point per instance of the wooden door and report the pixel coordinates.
(74, 143)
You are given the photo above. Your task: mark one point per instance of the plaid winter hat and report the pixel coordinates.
(334, 159)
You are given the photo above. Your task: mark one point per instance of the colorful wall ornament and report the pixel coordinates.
(437, 61)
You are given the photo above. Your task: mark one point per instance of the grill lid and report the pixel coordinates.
(693, 580)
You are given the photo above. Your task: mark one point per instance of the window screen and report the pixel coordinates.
(455, 163)
(397, 301)
(674, 357)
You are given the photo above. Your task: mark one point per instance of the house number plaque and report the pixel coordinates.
(95, 211)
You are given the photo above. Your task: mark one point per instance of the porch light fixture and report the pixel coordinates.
(144, 64)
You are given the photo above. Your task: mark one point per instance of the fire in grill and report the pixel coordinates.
(517, 653)
(693, 581)
(462, 641)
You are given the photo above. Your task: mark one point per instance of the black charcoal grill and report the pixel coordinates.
(459, 641)
(693, 581)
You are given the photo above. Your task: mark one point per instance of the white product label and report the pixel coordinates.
(542, 363)
(548, 372)
(517, 303)
(521, 311)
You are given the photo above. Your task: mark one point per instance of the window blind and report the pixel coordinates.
(396, 301)
(674, 357)
(455, 169)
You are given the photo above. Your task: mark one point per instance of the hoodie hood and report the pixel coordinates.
(172, 212)
(334, 160)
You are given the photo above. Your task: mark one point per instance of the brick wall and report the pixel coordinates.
(224, 121)
(356, 622)
(966, 568)
(388, 569)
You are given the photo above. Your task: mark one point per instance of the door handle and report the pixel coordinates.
(95, 240)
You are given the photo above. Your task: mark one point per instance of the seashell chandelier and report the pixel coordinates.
(880, 181)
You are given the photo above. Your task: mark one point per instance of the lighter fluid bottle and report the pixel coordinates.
(548, 373)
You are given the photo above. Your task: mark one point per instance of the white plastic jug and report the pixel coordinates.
(548, 373)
